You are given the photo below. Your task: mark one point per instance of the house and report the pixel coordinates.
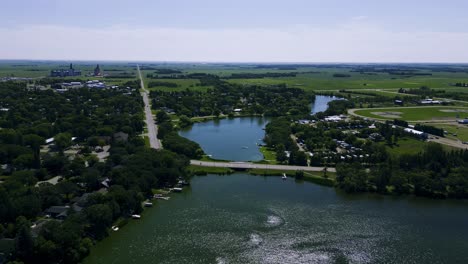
(237, 110)
(121, 137)
(58, 212)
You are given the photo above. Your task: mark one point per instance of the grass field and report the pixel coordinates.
(423, 113)
(406, 145)
(269, 155)
(461, 131)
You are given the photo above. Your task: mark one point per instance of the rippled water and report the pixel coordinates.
(234, 139)
(250, 219)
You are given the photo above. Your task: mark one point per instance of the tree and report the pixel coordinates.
(99, 217)
(299, 175)
(24, 244)
(62, 141)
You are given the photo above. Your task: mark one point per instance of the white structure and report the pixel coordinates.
(429, 101)
(332, 118)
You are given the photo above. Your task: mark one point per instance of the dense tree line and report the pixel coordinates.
(225, 97)
(260, 75)
(430, 129)
(173, 141)
(433, 173)
(92, 117)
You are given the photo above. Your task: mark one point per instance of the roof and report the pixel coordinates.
(413, 131)
(57, 209)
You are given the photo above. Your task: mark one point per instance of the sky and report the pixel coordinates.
(236, 30)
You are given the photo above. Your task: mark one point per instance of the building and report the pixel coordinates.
(417, 133)
(429, 101)
(57, 212)
(65, 73)
(97, 71)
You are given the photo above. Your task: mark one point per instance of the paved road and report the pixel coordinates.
(249, 165)
(152, 128)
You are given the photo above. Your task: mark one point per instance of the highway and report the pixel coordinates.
(149, 120)
(249, 165)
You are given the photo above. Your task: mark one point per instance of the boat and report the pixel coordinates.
(245, 147)
(176, 189)
(148, 204)
(284, 176)
(136, 216)
(115, 228)
(183, 183)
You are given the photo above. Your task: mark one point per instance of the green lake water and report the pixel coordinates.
(251, 219)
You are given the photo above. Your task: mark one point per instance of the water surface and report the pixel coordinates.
(233, 139)
(251, 219)
(321, 103)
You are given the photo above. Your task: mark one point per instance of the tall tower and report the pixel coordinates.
(71, 66)
(97, 71)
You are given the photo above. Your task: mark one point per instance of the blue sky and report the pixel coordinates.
(255, 30)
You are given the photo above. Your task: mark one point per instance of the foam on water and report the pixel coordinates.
(255, 239)
(274, 220)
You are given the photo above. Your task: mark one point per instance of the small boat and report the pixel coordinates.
(115, 228)
(245, 147)
(136, 216)
(163, 198)
(183, 183)
(148, 204)
(176, 189)
(284, 176)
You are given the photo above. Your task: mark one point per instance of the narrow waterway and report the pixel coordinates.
(252, 219)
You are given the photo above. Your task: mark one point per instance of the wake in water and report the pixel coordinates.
(274, 220)
(255, 239)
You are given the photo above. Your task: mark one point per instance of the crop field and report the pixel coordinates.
(327, 77)
(423, 113)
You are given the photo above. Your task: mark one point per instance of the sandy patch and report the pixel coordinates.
(388, 114)
(454, 110)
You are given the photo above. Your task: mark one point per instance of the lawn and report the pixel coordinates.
(425, 113)
(406, 145)
(461, 131)
(269, 155)
(200, 170)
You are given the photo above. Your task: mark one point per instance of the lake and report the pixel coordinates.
(252, 219)
(233, 139)
(236, 139)
(321, 103)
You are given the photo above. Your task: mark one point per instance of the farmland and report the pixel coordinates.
(423, 113)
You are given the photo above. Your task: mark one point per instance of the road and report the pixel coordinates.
(149, 119)
(249, 165)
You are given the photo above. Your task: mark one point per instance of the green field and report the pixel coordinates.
(423, 113)
(461, 131)
(406, 145)
(309, 77)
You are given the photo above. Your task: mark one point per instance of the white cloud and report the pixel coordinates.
(353, 42)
